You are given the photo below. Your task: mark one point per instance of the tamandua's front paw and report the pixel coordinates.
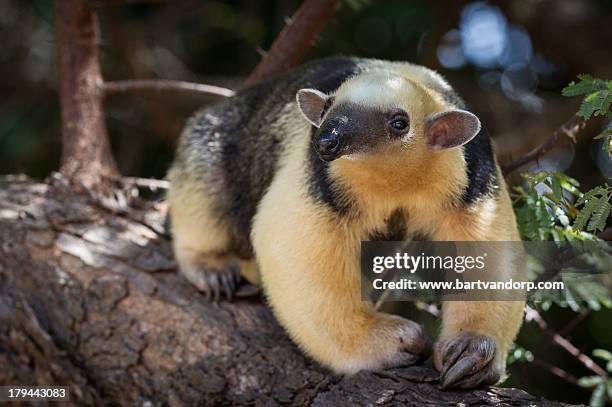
(213, 278)
(406, 342)
(391, 342)
(468, 360)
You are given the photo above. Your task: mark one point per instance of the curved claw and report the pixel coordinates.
(487, 378)
(213, 282)
(467, 361)
(213, 279)
(227, 287)
(466, 366)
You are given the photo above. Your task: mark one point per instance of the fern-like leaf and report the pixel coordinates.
(601, 212)
(585, 86)
(589, 105)
(595, 192)
(585, 214)
(597, 99)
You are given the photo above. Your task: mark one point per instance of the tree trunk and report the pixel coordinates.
(86, 152)
(89, 298)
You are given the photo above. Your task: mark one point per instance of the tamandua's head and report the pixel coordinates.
(377, 111)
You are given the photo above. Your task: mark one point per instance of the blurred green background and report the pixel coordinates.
(509, 59)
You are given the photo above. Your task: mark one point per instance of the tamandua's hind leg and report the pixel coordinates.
(201, 241)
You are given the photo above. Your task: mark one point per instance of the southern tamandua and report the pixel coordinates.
(288, 176)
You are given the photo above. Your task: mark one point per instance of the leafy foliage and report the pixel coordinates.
(606, 136)
(548, 208)
(597, 101)
(519, 354)
(595, 210)
(551, 207)
(602, 386)
(598, 95)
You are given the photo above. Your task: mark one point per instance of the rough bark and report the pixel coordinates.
(86, 153)
(89, 298)
(295, 39)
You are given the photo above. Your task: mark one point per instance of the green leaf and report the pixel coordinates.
(598, 398)
(599, 190)
(556, 187)
(588, 106)
(550, 216)
(586, 77)
(598, 97)
(600, 215)
(584, 215)
(603, 354)
(605, 100)
(590, 381)
(580, 88)
(603, 134)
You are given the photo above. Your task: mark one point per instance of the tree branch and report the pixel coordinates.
(86, 154)
(89, 298)
(570, 129)
(296, 38)
(159, 85)
(534, 315)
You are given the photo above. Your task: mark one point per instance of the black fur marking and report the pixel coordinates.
(481, 168)
(394, 229)
(322, 187)
(335, 73)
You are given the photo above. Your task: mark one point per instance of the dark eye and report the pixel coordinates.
(399, 124)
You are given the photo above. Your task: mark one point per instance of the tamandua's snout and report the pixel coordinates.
(329, 144)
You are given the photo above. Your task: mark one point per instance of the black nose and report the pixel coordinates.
(328, 144)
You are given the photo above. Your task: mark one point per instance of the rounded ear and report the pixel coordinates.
(312, 104)
(451, 129)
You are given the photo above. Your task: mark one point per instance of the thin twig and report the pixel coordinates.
(164, 85)
(296, 38)
(151, 183)
(381, 300)
(432, 309)
(570, 129)
(533, 315)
